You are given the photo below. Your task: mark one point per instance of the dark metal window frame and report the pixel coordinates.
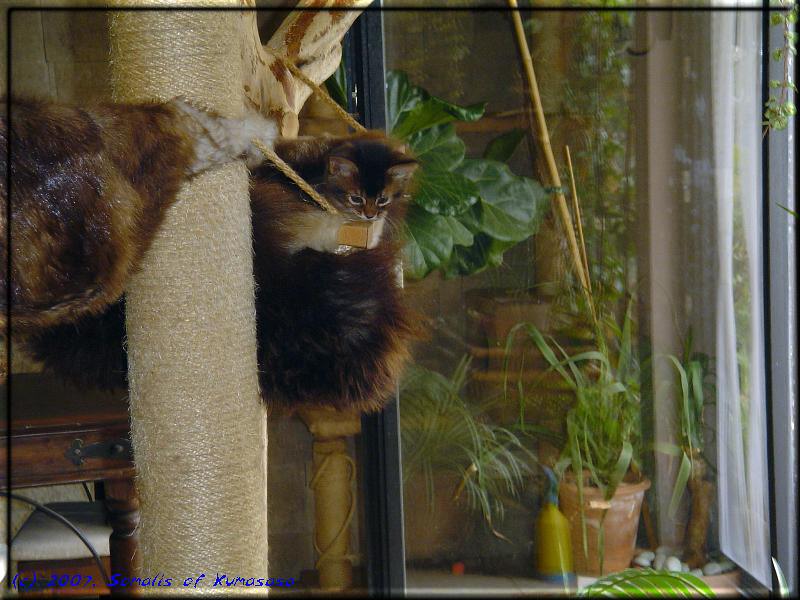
(780, 300)
(380, 433)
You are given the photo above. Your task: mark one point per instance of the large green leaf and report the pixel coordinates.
(429, 241)
(412, 109)
(511, 206)
(681, 480)
(401, 96)
(648, 583)
(336, 85)
(462, 236)
(438, 147)
(483, 253)
(445, 192)
(466, 213)
(434, 111)
(502, 147)
(439, 189)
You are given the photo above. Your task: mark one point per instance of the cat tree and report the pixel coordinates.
(197, 425)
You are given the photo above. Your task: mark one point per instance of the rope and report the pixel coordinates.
(322, 93)
(329, 554)
(284, 168)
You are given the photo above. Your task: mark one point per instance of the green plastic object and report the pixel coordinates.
(648, 583)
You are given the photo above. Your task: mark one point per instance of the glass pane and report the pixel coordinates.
(652, 383)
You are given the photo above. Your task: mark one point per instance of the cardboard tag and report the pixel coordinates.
(359, 234)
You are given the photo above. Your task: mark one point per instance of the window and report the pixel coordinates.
(662, 113)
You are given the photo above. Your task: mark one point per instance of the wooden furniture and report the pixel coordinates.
(334, 498)
(52, 555)
(59, 435)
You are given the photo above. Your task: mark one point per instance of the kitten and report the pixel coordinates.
(366, 177)
(333, 329)
(89, 189)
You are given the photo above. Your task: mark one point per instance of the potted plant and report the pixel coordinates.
(693, 374)
(602, 487)
(455, 464)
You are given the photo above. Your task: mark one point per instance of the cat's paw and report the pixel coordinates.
(221, 139)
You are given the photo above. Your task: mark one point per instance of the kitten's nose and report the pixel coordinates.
(370, 217)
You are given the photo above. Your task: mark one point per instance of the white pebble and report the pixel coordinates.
(696, 572)
(642, 560)
(658, 563)
(712, 568)
(673, 564)
(684, 567)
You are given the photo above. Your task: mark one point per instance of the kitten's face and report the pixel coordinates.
(368, 179)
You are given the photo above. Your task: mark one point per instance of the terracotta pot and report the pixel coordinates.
(434, 531)
(619, 528)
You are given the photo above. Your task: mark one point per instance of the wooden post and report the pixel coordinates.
(334, 497)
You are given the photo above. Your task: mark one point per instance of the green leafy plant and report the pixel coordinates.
(648, 583)
(693, 374)
(442, 432)
(336, 85)
(591, 111)
(603, 426)
(467, 211)
(779, 108)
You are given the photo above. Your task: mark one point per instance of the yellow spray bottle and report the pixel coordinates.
(554, 550)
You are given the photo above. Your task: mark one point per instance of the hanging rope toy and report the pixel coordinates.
(355, 234)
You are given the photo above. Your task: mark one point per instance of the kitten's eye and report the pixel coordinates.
(357, 200)
(383, 200)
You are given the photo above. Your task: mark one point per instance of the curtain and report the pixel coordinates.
(741, 393)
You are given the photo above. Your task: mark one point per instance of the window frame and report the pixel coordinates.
(380, 450)
(780, 291)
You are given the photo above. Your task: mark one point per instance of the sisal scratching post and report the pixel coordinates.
(197, 425)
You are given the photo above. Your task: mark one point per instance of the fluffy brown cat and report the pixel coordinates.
(333, 329)
(89, 188)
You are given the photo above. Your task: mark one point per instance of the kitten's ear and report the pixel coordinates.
(401, 173)
(342, 167)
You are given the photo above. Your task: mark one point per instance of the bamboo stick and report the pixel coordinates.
(544, 141)
(577, 210)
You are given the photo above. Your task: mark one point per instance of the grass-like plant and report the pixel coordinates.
(442, 432)
(603, 426)
(693, 375)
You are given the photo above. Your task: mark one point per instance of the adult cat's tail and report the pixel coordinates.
(332, 331)
(88, 353)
